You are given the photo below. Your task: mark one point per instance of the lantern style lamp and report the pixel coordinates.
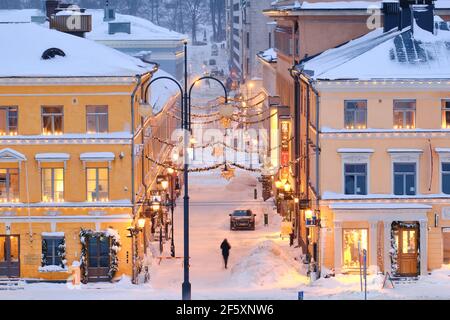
(278, 184)
(164, 184)
(141, 223)
(287, 187)
(170, 170)
(156, 205)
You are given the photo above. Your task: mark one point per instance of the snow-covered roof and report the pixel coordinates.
(22, 57)
(341, 5)
(23, 15)
(141, 29)
(412, 53)
(161, 91)
(270, 55)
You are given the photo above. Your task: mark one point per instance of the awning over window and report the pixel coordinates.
(52, 157)
(10, 155)
(97, 157)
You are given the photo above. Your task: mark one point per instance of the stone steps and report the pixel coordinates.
(11, 284)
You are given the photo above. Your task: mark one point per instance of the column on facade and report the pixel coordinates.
(337, 246)
(423, 247)
(387, 225)
(373, 266)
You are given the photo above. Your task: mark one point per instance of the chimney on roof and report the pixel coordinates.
(401, 14)
(50, 7)
(424, 16)
(109, 12)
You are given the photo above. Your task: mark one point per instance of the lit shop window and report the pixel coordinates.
(446, 177)
(97, 119)
(356, 114)
(9, 185)
(97, 184)
(446, 114)
(404, 114)
(52, 120)
(53, 185)
(354, 239)
(8, 121)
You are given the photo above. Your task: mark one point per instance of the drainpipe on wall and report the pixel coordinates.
(133, 196)
(319, 256)
(294, 74)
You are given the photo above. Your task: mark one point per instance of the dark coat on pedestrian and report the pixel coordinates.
(225, 246)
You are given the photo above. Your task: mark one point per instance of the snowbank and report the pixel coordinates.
(267, 265)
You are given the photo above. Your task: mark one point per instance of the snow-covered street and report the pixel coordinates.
(261, 266)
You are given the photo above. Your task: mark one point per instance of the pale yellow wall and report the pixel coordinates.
(380, 108)
(74, 99)
(379, 116)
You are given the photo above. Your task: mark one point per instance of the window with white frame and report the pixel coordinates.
(404, 114)
(52, 248)
(404, 178)
(446, 114)
(52, 184)
(97, 184)
(355, 176)
(52, 120)
(9, 185)
(355, 114)
(445, 167)
(8, 120)
(97, 119)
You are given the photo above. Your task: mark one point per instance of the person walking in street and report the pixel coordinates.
(225, 246)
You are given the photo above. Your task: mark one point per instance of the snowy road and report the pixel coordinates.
(262, 266)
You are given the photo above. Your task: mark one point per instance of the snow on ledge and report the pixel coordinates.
(52, 268)
(352, 150)
(330, 195)
(374, 206)
(52, 234)
(405, 150)
(442, 150)
(52, 156)
(97, 156)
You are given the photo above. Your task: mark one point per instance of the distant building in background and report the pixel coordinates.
(131, 35)
(248, 32)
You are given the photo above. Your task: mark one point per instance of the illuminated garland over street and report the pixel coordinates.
(213, 167)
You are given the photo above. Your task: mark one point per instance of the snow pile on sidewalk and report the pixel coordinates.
(267, 265)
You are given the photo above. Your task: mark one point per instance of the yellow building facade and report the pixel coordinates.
(377, 153)
(73, 173)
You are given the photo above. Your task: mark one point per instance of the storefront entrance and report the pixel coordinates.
(446, 245)
(407, 242)
(9, 256)
(98, 259)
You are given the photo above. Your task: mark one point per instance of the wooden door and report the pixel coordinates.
(9, 256)
(446, 245)
(408, 253)
(98, 259)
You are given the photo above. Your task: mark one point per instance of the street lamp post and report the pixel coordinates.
(186, 125)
